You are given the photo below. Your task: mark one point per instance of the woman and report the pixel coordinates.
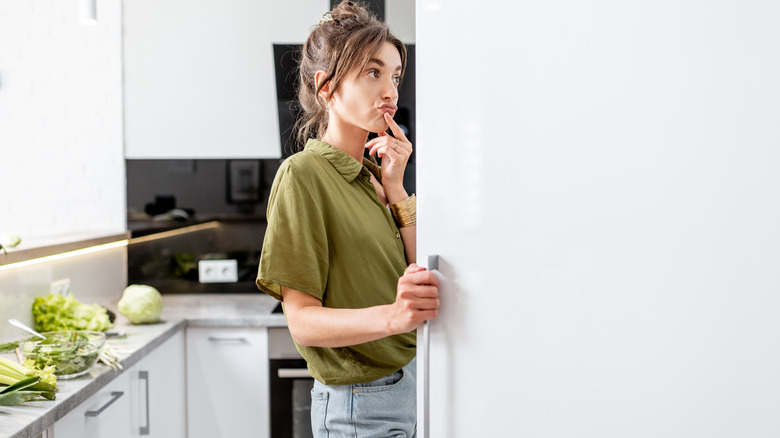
(339, 250)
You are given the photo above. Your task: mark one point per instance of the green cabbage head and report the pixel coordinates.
(141, 304)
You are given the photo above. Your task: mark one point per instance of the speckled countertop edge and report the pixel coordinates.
(31, 419)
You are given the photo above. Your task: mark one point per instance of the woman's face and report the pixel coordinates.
(365, 96)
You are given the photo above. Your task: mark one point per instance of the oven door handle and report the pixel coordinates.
(293, 373)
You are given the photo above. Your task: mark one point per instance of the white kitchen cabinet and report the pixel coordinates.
(199, 78)
(106, 414)
(157, 387)
(145, 400)
(227, 382)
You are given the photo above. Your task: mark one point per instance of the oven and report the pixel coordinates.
(291, 386)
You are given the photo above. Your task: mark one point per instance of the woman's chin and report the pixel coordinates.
(378, 127)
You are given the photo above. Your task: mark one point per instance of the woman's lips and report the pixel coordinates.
(389, 108)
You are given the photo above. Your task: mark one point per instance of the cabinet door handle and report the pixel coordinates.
(144, 375)
(226, 340)
(114, 396)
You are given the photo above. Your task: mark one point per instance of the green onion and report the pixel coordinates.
(23, 391)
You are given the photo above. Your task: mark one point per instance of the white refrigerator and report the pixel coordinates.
(601, 182)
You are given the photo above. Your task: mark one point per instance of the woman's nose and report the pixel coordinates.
(390, 90)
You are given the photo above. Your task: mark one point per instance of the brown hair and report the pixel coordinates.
(346, 38)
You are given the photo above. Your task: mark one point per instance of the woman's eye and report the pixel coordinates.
(396, 79)
(373, 73)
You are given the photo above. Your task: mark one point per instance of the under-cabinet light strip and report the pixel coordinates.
(64, 255)
(110, 245)
(176, 232)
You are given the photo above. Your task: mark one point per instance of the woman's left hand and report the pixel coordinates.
(394, 151)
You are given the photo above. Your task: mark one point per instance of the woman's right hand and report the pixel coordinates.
(417, 299)
(312, 325)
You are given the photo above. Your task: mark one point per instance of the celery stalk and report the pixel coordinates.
(12, 372)
(13, 369)
(6, 380)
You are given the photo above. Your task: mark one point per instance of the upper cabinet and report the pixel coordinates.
(199, 77)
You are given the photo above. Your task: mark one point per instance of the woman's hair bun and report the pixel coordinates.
(349, 15)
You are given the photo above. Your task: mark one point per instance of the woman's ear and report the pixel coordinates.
(325, 90)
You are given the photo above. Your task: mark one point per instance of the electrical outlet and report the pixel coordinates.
(60, 287)
(218, 271)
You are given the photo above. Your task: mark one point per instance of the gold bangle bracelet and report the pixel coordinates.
(405, 212)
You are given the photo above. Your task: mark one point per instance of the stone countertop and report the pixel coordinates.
(31, 419)
(223, 310)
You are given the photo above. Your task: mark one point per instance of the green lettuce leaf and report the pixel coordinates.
(56, 312)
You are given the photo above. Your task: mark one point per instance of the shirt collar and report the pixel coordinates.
(347, 166)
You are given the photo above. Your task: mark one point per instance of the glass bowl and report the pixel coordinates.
(71, 352)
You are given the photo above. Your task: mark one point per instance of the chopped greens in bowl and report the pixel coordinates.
(71, 352)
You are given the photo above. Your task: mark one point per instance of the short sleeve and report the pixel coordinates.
(295, 246)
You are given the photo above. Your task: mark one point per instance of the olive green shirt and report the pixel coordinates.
(329, 236)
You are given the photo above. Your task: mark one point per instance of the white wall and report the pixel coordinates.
(61, 154)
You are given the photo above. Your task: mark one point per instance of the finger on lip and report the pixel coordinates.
(395, 128)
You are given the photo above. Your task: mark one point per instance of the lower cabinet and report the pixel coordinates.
(157, 387)
(145, 400)
(227, 382)
(105, 414)
(222, 371)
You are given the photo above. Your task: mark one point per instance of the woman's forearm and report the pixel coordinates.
(409, 237)
(312, 325)
(317, 326)
(408, 234)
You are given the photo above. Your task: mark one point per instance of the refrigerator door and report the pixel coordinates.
(599, 180)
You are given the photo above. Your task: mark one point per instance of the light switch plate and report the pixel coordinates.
(218, 271)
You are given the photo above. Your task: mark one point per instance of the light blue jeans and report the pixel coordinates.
(386, 407)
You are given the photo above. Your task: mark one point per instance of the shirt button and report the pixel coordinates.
(398, 235)
(354, 391)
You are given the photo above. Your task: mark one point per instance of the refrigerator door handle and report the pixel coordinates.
(433, 265)
(426, 337)
(433, 262)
